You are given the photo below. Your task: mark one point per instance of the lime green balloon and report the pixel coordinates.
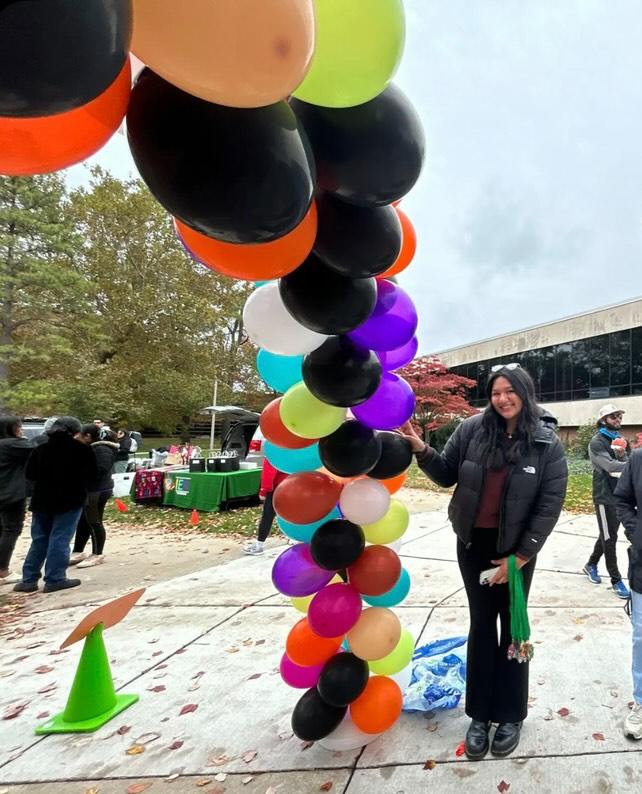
(396, 660)
(303, 602)
(306, 416)
(391, 527)
(359, 44)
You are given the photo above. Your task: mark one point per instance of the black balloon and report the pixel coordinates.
(358, 242)
(325, 301)
(236, 174)
(313, 718)
(341, 372)
(56, 55)
(396, 456)
(370, 154)
(337, 544)
(343, 679)
(350, 451)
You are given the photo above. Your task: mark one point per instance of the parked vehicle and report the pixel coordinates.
(245, 439)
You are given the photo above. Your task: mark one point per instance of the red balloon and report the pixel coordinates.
(408, 247)
(307, 497)
(276, 432)
(43, 144)
(376, 571)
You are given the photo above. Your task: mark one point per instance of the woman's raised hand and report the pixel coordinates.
(408, 432)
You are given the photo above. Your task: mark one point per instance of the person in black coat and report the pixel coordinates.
(510, 471)
(100, 492)
(14, 453)
(60, 472)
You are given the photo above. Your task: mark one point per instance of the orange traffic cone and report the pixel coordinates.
(122, 507)
(195, 519)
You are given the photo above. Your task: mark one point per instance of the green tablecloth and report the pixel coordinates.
(207, 490)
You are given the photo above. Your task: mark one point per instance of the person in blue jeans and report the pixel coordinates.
(628, 494)
(60, 472)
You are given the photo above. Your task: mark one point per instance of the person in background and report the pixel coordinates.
(270, 478)
(124, 450)
(60, 473)
(608, 456)
(628, 506)
(99, 493)
(510, 471)
(44, 436)
(14, 453)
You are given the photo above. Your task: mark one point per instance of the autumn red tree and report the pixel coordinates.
(441, 395)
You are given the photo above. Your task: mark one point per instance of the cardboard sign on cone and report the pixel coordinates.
(93, 700)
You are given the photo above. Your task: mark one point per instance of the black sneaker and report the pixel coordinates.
(476, 743)
(26, 587)
(63, 584)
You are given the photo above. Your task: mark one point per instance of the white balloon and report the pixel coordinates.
(402, 678)
(364, 501)
(271, 326)
(347, 737)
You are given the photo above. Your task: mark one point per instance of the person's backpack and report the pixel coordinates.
(133, 445)
(137, 441)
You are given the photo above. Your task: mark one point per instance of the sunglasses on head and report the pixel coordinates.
(499, 367)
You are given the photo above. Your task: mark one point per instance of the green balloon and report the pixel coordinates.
(389, 528)
(306, 416)
(359, 44)
(396, 660)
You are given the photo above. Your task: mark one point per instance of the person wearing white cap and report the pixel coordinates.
(609, 456)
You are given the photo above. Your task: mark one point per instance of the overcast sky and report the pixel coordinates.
(529, 207)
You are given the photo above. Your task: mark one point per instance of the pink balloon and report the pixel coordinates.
(297, 676)
(334, 610)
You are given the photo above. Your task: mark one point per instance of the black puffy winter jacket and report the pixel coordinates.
(628, 495)
(534, 492)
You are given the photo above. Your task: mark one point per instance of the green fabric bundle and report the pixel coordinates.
(520, 648)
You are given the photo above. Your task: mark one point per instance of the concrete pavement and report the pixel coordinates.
(202, 650)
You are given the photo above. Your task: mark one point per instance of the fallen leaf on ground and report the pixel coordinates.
(255, 676)
(247, 779)
(157, 688)
(137, 788)
(43, 715)
(195, 686)
(14, 711)
(92, 791)
(248, 642)
(306, 745)
(549, 715)
(249, 756)
(326, 786)
(231, 650)
(174, 776)
(199, 674)
(430, 764)
(432, 726)
(578, 637)
(48, 688)
(6, 673)
(503, 787)
(203, 782)
(219, 760)
(147, 738)
(176, 745)
(123, 730)
(187, 709)
(221, 777)
(135, 749)
(563, 712)
(460, 749)
(599, 737)
(260, 642)
(44, 668)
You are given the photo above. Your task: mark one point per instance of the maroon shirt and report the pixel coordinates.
(491, 500)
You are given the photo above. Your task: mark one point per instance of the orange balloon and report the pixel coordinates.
(240, 53)
(342, 480)
(376, 571)
(306, 497)
(256, 262)
(379, 705)
(395, 483)
(375, 634)
(408, 247)
(276, 432)
(42, 144)
(306, 648)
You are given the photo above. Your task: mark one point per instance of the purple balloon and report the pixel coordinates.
(393, 322)
(334, 610)
(296, 574)
(297, 676)
(389, 407)
(399, 357)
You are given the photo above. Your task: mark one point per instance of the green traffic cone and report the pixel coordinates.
(93, 700)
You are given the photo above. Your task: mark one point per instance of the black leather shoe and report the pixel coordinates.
(476, 744)
(63, 584)
(26, 587)
(506, 738)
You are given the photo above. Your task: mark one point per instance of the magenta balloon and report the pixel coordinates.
(399, 357)
(393, 322)
(297, 676)
(296, 574)
(334, 610)
(389, 407)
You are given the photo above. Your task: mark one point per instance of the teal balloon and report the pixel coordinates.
(258, 284)
(394, 596)
(303, 532)
(346, 645)
(292, 461)
(279, 372)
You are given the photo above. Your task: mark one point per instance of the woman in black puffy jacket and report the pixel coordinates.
(510, 471)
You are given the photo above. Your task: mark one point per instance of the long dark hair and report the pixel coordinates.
(494, 425)
(10, 426)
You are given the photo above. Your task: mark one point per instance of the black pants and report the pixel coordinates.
(496, 688)
(267, 518)
(91, 523)
(607, 522)
(12, 518)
